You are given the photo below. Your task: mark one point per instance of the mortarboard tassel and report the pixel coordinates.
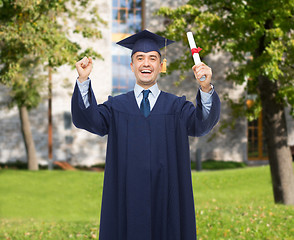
(163, 70)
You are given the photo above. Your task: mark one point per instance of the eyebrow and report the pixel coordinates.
(141, 55)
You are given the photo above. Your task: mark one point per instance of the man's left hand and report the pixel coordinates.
(201, 70)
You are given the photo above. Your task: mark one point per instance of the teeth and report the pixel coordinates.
(146, 71)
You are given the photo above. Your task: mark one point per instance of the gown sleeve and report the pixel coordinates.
(95, 118)
(193, 117)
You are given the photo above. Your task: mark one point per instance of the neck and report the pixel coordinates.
(146, 86)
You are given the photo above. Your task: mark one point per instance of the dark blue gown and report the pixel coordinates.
(147, 193)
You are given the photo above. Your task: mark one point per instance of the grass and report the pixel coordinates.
(230, 204)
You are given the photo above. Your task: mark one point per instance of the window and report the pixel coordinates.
(126, 20)
(256, 143)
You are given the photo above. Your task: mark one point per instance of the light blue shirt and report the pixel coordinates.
(153, 95)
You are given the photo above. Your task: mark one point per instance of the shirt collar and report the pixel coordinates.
(154, 90)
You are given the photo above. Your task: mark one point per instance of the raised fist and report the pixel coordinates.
(84, 68)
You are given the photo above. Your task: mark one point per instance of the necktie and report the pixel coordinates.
(145, 104)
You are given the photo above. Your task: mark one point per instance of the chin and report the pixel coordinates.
(147, 82)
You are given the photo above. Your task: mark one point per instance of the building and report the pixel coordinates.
(112, 76)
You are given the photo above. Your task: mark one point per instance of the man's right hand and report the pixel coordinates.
(84, 68)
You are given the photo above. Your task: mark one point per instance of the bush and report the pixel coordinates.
(218, 165)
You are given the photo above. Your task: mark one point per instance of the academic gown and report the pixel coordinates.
(147, 193)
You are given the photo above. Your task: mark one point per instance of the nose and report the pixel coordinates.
(146, 62)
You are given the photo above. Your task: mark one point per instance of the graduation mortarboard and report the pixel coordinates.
(145, 41)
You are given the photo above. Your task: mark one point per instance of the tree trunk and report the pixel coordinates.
(279, 154)
(28, 138)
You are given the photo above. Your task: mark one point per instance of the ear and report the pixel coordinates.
(132, 67)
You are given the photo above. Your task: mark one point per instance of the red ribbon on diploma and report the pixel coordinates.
(196, 50)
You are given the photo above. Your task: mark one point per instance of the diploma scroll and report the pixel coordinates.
(195, 51)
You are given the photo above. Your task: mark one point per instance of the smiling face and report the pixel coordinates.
(146, 67)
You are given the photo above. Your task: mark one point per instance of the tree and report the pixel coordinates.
(259, 38)
(34, 37)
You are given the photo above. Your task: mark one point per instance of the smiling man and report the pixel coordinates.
(146, 67)
(147, 193)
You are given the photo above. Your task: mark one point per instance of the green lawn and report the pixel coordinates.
(230, 204)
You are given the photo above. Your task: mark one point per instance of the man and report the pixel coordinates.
(147, 192)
